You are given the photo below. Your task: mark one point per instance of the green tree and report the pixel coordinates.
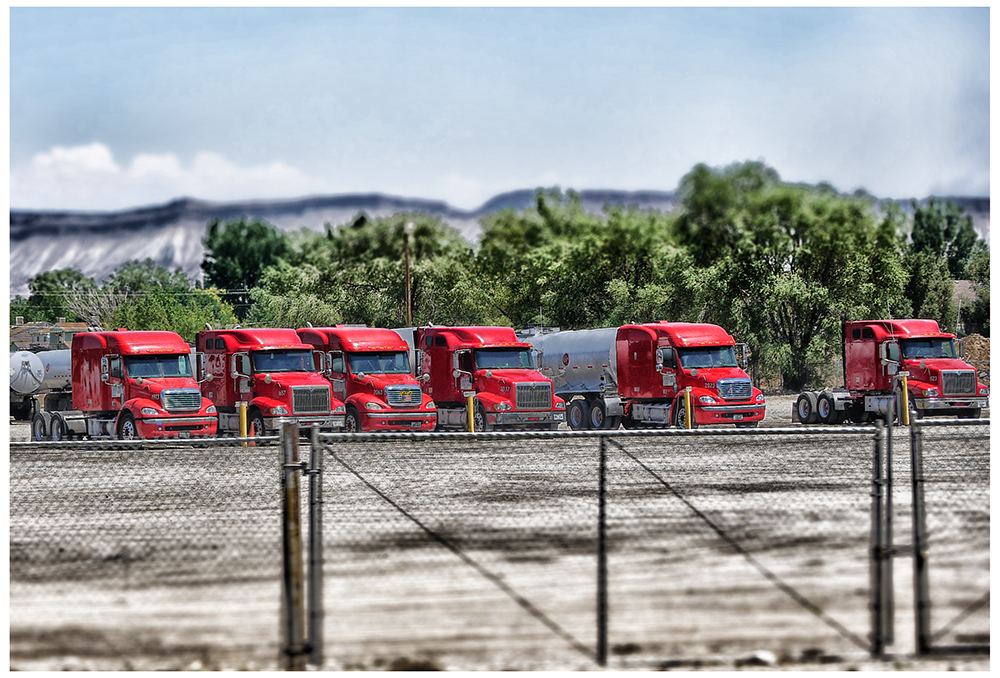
(945, 230)
(976, 317)
(136, 276)
(930, 288)
(52, 292)
(236, 254)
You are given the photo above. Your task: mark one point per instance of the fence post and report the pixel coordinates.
(293, 602)
(875, 595)
(888, 555)
(921, 597)
(315, 549)
(602, 558)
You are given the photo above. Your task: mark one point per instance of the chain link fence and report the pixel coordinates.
(646, 549)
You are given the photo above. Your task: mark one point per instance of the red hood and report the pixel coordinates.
(153, 385)
(934, 366)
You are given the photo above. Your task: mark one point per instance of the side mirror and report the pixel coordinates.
(232, 368)
(425, 377)
(455, 372)
(104, 369)
(489, 374)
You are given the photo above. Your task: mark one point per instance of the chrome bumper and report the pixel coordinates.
(550, 416)
(951, 403)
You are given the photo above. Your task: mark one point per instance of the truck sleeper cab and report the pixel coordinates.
(272, 372)
(369, 369)
(128, 385)
(492, 366)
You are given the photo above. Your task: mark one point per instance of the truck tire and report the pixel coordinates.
(680, 418)
(255, 424)
(40, 427)
(576, 415)
(857, 413)
(596, 415)
(126, 427)
(352, 420)
(826, 410)
(479, 421)
(57, 428)
(805, 407)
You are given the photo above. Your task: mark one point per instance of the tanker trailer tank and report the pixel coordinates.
(32, 373)
(579, 362)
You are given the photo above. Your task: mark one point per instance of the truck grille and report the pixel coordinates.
(403, 395)
(959, 382)
(537, 396)
(310, 400)
(181, 399)
(735, 389)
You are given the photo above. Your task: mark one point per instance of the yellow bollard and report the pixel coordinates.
(472, 419)
(243, 422)
(906, 401)
(687, 407)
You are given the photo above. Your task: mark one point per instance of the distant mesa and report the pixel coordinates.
(96, 243)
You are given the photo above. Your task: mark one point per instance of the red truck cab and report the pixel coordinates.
(659, 361)
(136, 385)
(271, 371)
(493, 366)
(369, 369)
(939, 381)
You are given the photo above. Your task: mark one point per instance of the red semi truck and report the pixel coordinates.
(128, 385)
(877, 355)
(492, 366)
(270, 370)
(369, 369)
(637, 375)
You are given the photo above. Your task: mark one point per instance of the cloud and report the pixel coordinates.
(87, 177)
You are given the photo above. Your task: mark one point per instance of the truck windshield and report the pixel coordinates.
(503, 358)
(294, 360)
(915, 349)
(709, 356)
(389, 362)
(153, 366)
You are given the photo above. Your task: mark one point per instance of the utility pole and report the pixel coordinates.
(407, 232)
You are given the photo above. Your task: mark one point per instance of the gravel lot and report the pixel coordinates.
(170, 559)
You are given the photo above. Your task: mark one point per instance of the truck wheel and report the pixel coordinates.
(805, 406)
(858, 414)
(680, 418)
(826, 411)
(57, 428)
(352, 421)
(596, 415)
(39, 427)
(479, 421)
(575, 415)
(126, 427)
(256, 424)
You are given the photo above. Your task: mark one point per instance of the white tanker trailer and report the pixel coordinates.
(34, 373)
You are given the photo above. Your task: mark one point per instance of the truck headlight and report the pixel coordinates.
(984, 391)
(339, 409)
(210, 409)
(373, 406)
(279, 410)
(930, 391)
(502, 407)
(760, 397)
(431, 405)
(707, 399)
(149, 410)
(561, 405)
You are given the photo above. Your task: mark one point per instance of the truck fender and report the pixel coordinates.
(134, 407)
(488, 400)
(358, 401)
(265, 404)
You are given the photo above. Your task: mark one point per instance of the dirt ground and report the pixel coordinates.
(393, 602)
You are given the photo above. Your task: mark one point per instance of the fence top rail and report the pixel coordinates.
(940, 423)
(561, 435)
(37, 445)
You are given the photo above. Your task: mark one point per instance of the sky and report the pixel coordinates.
(117, 108)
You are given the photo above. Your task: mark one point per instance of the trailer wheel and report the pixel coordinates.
(805, 406)
(826, 411)
(575, 415)
(126, 427)
(39, 427)
(596, 416)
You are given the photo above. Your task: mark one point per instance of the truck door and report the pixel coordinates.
(666, 365)
(240, 373)
(462, 361)
(338, 375)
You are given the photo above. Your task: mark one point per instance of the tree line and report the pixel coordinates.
(779, 265)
